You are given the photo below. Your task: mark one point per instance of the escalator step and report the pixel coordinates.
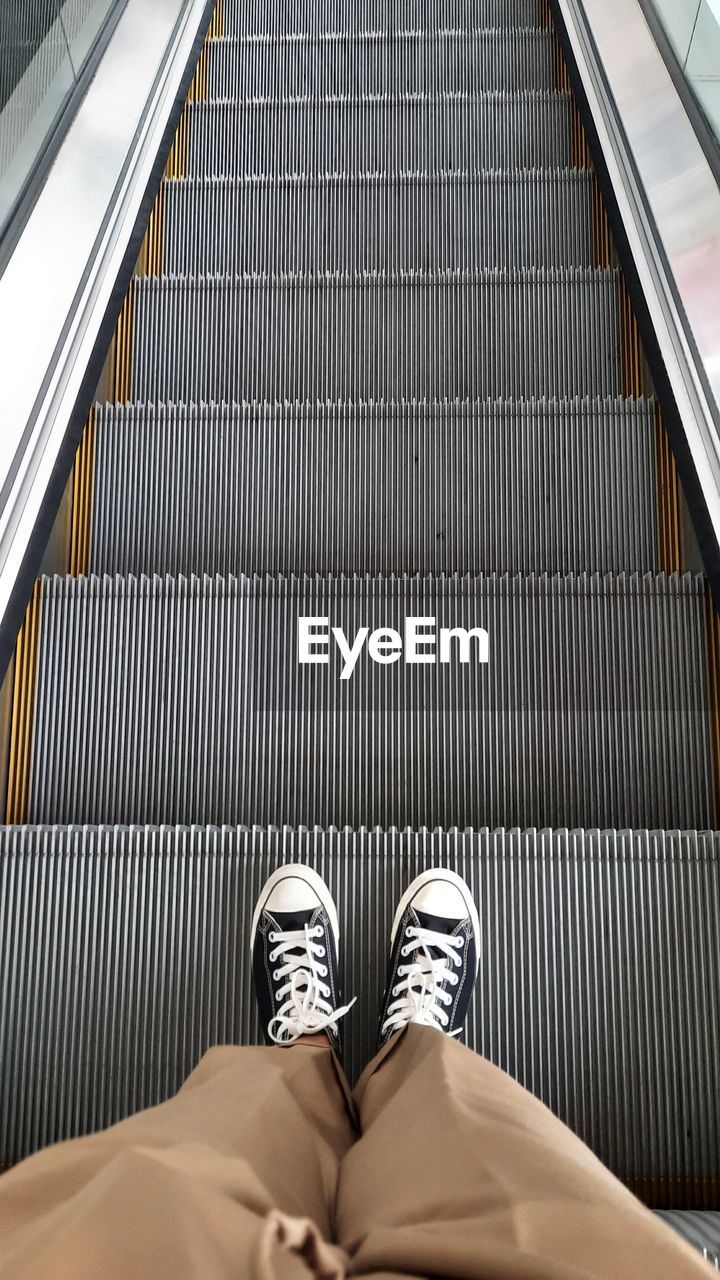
(388, 222)
(369, 134)
(298, 17)
(701, 1230)
(128, 954)
(467, 487)
(421, 61)
(377, 336)
(183, 700)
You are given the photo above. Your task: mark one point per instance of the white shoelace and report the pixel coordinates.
(306, 1010)
(420, 994)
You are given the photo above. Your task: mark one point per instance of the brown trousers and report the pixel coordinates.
(257, 1163)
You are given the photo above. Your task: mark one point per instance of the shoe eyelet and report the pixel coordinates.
(276, 975)
(272, 956)
(272, 936)
(402, 970)
(320, 951)
(404, 951)
(323, 971)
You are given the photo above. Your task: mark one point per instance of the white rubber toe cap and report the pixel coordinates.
(441, 897)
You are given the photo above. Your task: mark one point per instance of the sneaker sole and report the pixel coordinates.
(440, 873)
(300, 872)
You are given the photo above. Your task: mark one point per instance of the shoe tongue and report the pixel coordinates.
(291, 921)
(437, 924)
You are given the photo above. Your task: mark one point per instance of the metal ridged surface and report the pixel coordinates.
(297, 17)
(467, 487)
(387, 222)
(378, 336)
(369, 134)
(182, 700)
(423, 61)
(589, 945)
(378, 238)
(701, 1230)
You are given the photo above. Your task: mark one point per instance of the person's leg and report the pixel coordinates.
(459, 1171)
(236, 1176)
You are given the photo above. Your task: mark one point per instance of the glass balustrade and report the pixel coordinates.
(44, 48)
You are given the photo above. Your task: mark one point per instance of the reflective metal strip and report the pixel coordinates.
(364, 135)
(387, 222)
(124, 955)
(379, 336)
(415, 61)
(298, 17)
(473, 487)
(182, 700)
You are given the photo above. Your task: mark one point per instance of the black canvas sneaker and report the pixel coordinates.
(294, 947)
(433, 956)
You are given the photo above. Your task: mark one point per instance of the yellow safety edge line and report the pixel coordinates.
(124, 338)
(23, 712)
(152, 253)
(83, 473)
(26, 647)
(684, 1191)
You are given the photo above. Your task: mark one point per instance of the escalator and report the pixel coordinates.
(378, 363)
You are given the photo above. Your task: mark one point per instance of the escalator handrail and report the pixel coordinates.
(62, 290)
(630, 105)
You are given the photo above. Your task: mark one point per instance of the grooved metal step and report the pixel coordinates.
(368, 134)
(176, 700)
(416, 61)
(701, 1230)
(434, 335)
(379, 221)
(469, 487)
(297, 17)
(590, 943)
